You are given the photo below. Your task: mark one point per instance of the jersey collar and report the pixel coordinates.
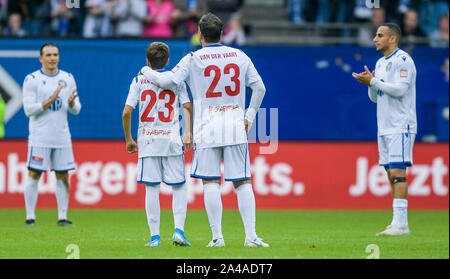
(214, 45)
(392, 54)
(161, 70)
(42, 72)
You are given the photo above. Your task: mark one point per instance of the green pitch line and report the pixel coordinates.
(291, 234)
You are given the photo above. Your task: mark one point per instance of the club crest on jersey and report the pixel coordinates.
(62, 83)
(388, 66)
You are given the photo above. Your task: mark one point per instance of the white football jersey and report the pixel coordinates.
(159, 117)
(397, 115)
(217, 76)
(49, 128)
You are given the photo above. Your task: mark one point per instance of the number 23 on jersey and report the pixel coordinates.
(230, 69)
(153, 98)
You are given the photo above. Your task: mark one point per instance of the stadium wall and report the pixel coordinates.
(296, 175)
(310, 88)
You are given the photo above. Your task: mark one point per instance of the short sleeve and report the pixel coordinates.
(183, 94)
(404, 69)
(252, 74)
(182, 69)
(133, 94)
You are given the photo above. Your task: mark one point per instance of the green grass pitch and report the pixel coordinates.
(291, 234)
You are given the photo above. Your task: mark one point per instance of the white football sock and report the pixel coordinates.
(62, 198)
(400, 208)
(179, 205)
(247, 208)
(213, 205)
(31, 195)
(152, 208)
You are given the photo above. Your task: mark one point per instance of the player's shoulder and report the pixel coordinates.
(403, 57)
(137, 80)
(34, 76)
(65, 74)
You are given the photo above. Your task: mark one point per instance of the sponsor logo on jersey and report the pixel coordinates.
(223, 108)
(56, 104)
(157, 132)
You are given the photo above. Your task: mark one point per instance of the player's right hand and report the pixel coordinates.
(188, 142)
(248, 126)
(131, 146)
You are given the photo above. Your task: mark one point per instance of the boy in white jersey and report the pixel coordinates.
(160, 147)
(217, 76)
(392, 85)
(48, 94)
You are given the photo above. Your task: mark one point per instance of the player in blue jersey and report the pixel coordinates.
(392, 86)
(48, 94)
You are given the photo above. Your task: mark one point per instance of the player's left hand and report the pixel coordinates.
(364, 77)
(72, 98)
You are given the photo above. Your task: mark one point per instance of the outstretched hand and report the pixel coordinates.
(364, 77)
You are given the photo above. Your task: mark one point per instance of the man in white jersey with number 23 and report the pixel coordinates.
(160, 147)
(217, 76)
(392, 85)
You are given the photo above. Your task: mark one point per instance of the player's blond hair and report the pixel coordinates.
(157, 54)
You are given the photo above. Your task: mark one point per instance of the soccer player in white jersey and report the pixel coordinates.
(217, 76)
(160, 146)
(48, 94)
(392, 85)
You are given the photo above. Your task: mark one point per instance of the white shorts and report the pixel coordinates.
(236, 161)
(60, 159)
(396, 150)
(157, 169)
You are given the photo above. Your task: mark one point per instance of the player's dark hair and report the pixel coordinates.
(41, 51)
(211, 28)
(157, 54)
(394, 29)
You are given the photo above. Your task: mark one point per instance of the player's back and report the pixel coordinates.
(159, 110)
(218, 78)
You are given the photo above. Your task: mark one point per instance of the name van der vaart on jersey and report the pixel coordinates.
(218, 55)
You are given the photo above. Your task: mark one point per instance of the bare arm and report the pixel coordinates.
(187, 135)
(126, 120)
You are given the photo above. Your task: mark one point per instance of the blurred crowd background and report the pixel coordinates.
(280, 21)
